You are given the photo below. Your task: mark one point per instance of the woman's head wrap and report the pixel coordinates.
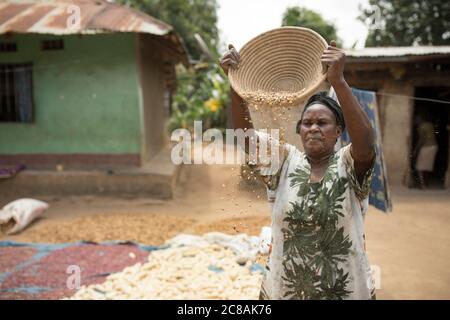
(330, 103)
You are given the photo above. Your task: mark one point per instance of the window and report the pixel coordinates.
(57, 44)
(16, 98)
(8, 47)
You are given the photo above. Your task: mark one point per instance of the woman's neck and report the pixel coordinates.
(318, 161)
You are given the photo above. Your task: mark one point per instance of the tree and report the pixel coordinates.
(405, 23)
(202, 94)
(187, 17)
(202, 91)
(302, 17)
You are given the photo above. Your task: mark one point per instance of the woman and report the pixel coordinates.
(426, 149)
(319, 196)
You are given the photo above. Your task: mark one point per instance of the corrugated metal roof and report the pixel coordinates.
(95, 16)
(397, 51)
(56, 17)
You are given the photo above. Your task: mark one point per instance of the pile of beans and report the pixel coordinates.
(181, 273)
(282, 98)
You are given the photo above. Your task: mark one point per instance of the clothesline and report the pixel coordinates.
(413, 97)
(78, 61)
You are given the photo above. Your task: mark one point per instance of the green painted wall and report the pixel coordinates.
(86, 96)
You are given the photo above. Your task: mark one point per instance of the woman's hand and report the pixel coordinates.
(240, 115)
(334, 58)
(230, 59)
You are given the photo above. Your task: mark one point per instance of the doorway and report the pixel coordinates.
(439, 115)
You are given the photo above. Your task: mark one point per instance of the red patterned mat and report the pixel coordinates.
(42, 271)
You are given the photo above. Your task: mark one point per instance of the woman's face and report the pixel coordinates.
(319, 130)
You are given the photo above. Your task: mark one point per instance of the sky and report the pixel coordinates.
(241, 20)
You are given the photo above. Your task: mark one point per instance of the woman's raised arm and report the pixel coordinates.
(356, 120)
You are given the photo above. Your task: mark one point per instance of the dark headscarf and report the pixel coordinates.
(330, 103)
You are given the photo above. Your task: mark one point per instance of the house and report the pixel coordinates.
(85, 85)
(409, 81)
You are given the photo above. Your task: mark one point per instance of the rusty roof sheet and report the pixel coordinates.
(57, 17)
(95, 16)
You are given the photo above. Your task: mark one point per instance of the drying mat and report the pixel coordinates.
(40, 271)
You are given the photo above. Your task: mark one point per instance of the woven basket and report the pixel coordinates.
(280, 67)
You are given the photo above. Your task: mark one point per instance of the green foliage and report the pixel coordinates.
(301, 280)
(312, 235)
(405, 23)
(202, 94)
(302, 17)
(300, 178)
(334, 290)
(187, 17)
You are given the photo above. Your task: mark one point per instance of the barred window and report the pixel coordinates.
(8, 47)
(57, 44)
(16, 96)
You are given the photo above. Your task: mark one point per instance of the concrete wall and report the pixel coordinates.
(397, 124)
(152, 86)
(86, 97)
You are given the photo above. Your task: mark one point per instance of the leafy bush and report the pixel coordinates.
(202, 94)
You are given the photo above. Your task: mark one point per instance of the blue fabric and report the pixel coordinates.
(48, 247)
(379, 196)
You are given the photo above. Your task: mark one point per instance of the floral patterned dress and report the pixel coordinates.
(318, 241)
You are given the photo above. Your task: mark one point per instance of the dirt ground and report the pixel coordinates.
(410, 246)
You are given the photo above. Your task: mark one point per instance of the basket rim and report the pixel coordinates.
(313, 34)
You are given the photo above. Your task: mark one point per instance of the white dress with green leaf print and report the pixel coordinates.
(318, 241)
